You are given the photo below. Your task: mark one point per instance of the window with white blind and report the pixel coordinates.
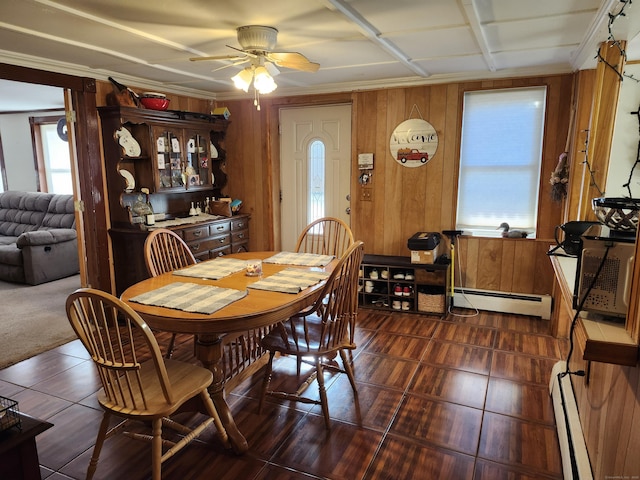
(500, 160)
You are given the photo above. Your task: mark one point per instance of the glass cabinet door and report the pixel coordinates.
(170, 160)
(198, 161)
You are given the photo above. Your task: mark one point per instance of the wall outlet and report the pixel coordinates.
(366, 194)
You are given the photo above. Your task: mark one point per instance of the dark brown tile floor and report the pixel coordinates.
(461, 398)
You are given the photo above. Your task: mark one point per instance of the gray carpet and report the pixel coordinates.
(33, 318)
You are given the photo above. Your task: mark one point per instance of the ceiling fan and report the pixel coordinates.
(258, 42)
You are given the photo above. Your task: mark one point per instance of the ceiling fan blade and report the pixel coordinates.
(272, 69)
(216, 57)
(293, 60)
(239, 62)
(246, 52)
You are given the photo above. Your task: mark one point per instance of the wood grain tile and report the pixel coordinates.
(394, 345)
(526, 401)
(530, 344)
(374, 320)
(383, 370)
(202, 461)
(343, 452)
(73, 349)
(39, 405)
(275, 472)
(450, 385)
(264, 432)
(400, 459)
(8, 389)
(374, 407)
(72, 384)
(522, 368)
(463, 357)
(121, 458)
(424, 381)
(469, 334)
(444, 424)
(418, 325)
(37, 369)
(486, 470)
(516, 442)
(78, 426)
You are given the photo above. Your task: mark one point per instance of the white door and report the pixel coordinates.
(315, 166)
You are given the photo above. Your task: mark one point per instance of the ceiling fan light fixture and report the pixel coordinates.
(257, 37)
(262, 81)
(243, 79)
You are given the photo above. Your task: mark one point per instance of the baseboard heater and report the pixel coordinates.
(493, 301)
(575, 458)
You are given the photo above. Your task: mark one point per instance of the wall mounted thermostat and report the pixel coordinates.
(365, 161)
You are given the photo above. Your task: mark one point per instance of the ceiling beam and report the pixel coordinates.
(471, 11)
(374, 34)
(596, 34)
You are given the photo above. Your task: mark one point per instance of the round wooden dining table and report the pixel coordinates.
(258, 309)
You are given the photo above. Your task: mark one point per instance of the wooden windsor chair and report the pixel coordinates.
(320, 332)
(325, 236)
(165, 251)
(149, 390)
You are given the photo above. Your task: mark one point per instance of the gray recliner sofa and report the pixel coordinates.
(38, 240)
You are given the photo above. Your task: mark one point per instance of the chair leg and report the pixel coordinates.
(102, 434)
(222, 432)
(349, 371)
(323, 393)
(266, 380)
(156, 450)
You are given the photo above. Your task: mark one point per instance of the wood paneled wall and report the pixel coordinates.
(608, 400)
(405, 200)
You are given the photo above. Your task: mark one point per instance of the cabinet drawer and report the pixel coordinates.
(240, 247)
(239, 237)
(218, 228)
(220, 252)
(209, 244)
(239, 224)
(202, 256)
(195, 233)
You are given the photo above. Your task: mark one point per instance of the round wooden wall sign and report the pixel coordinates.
(413, 143)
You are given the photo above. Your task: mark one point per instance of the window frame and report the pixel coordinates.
(535, 167)
(42, 172)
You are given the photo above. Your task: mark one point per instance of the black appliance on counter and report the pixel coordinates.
(571, 241)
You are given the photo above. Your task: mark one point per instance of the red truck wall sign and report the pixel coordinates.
(413, 143)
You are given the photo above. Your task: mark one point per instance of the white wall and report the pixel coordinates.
(624, 147)
(17, 148)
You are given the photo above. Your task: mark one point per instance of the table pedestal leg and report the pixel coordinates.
(209, 352)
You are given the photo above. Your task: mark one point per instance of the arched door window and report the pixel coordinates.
(316, 180)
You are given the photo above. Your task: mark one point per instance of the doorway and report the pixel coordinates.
(315, 166)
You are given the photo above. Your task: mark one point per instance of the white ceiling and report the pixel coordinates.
(359, 44)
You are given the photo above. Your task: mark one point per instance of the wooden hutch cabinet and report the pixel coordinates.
(179, 157)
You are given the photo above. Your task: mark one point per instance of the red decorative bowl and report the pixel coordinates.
(154, 102)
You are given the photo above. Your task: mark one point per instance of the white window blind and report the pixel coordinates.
(500, 159)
